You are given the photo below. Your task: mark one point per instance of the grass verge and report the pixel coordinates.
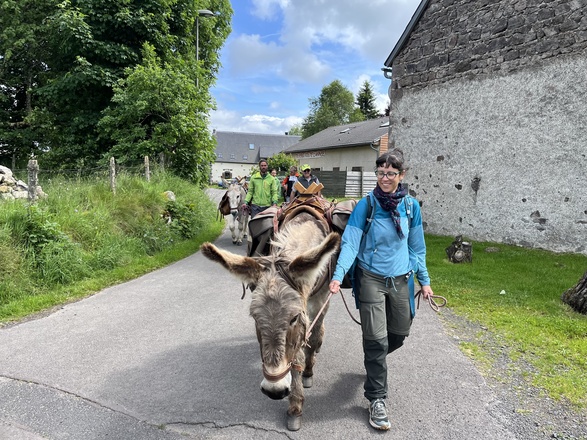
(514, 294)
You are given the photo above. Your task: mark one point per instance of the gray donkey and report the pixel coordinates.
(290, 286)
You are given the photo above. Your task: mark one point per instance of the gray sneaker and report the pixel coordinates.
(378, 415)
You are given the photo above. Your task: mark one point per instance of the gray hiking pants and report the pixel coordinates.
(385, 320)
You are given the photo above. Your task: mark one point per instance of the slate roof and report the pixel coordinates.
(348, 135)
(233, 146)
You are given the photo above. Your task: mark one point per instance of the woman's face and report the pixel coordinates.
(388, 178)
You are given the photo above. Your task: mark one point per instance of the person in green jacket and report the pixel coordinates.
(262, 190)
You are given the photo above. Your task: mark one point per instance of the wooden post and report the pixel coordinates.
(147, 169)
(33, 179)
(112, 175)
(162, 161)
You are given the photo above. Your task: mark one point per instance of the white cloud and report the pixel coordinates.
(222, 120)
(287, 51)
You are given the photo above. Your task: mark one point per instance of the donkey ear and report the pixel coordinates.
(307, 267)
(246, 269)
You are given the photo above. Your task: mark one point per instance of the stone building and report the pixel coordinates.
(489, 104)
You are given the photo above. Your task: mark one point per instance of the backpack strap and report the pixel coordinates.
(370, 213)
(409, 202)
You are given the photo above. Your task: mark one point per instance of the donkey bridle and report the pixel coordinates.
(276, 377)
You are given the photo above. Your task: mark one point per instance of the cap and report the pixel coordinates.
(305, 167)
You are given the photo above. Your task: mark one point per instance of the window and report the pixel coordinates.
(251, 146)
(233, 156)
(219, 155)
(245, 157)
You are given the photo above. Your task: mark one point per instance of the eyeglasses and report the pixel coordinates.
(390, 175)
(306, 171)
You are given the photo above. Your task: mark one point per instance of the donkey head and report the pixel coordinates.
(236, 197)
(281, 289)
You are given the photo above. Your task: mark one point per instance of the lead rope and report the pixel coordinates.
(431, 300)
(309, 331)
(433, 304)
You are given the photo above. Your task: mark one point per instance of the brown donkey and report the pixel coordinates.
(290, 286)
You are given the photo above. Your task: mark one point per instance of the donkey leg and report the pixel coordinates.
(232, 227)
(240, 236)
(315, 343)
(296, 402)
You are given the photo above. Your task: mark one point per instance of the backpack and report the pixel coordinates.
(349, 278)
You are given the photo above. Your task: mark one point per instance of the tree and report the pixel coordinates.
(296, 130)
(334, 106)
(88, 46)
(24, 58)
(156, 111)
(281, 161)
(366, 101)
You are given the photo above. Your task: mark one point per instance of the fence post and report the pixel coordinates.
(33, 179)
(112, 175)
(162, 161)
(147, 169)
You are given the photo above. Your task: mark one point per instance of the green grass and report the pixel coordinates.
(515, 294)
(83, 238)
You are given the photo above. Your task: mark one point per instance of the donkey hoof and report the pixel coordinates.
(294, 423)
(307, 381)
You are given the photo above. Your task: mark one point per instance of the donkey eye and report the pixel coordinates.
(294, 320)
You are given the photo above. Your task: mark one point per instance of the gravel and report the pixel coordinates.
(524, 409)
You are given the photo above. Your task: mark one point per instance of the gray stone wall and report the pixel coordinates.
(479, 38)
(489, 104)
(501, 158)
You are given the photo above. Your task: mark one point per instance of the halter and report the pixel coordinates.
(276, 377)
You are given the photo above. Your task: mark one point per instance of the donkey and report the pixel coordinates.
(290, 287)
(238, 220)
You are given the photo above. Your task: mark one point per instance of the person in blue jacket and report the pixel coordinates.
(389, 256)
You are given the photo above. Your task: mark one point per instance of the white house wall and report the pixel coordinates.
(237, 169)
(342, 158)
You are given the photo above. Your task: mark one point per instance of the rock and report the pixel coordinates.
(12, 188)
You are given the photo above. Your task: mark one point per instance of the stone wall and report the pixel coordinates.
(11, 188)
(478, 38)
(498, 152)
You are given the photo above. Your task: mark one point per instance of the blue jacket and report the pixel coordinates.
(384, 253)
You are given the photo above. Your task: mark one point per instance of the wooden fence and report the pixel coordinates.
(355, 184)
(33, 176)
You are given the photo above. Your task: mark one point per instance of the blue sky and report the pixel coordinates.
(281, 53)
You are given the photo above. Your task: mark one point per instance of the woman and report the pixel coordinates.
(388, 256)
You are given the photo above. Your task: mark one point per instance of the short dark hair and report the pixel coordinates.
(393, 158)
(263, 160)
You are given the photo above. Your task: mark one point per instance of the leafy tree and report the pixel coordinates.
(334, 106)
(89, 45)
(296, 130)
(281, 161)
(366, 101)
(157, 112)
(23, 67)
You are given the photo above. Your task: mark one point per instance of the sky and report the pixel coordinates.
(282, 53)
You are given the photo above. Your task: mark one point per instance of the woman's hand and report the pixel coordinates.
(334, 286)
(427, 292)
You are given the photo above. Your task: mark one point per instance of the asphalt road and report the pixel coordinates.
(173, 355)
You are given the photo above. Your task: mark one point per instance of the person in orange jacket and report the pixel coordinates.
(289, 182)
